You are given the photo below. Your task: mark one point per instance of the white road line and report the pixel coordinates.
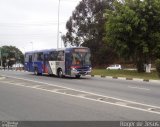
(117, 104)
(121, 103)
(1, 78)
(138, 88)
(81, 91)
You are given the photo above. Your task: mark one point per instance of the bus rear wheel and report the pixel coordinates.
(36, 71)
(60, 73)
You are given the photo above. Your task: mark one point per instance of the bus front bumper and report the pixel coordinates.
(75, 72)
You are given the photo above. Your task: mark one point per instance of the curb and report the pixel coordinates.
(125, 78)
(109, 77)
(13, 70)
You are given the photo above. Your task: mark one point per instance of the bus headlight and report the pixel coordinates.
(73, 69)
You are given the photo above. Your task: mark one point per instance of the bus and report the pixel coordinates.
(72, 62)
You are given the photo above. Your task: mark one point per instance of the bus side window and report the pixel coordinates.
(26, 58)
(30, 58)
(60, 56)
(35, 57)
(40, 56)
(46, 57)
(53, 56)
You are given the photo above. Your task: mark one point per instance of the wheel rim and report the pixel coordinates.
(36, 72)
(60, 74)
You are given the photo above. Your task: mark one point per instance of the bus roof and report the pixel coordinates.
(48, 50)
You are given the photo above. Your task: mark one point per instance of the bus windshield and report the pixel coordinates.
(81, 58)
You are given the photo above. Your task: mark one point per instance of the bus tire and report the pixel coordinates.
(36, 71)
(60, 73)
(78, 76)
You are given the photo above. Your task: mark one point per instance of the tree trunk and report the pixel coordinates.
(140, 66)
(148, 68)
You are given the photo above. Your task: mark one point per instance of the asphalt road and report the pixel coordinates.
(33, 99)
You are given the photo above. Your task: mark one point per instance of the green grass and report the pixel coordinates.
(126, 73)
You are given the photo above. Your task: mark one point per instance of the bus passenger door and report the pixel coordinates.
(67, 63)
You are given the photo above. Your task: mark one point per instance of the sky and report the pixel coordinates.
(32, 24)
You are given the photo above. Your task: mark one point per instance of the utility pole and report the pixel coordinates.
(58, 25)
(1, 55)
(61, 38)
(32, 46)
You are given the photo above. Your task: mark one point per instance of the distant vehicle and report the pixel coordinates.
(61, 62)
(114, 67)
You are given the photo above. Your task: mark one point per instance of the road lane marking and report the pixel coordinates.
(79, 90)
(33, 86)
(138, 88)
(121, 103)
(117, 104)
(1, 78)
(91, 96)
(150, 109)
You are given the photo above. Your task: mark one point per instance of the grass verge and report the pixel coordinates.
(126, 73)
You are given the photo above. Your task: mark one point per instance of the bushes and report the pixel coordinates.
(157, 62)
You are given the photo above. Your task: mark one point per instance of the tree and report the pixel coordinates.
(133, 28)
(86, 28)
(157, 62)
(11, 55)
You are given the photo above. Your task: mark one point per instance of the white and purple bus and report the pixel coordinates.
(72, 62)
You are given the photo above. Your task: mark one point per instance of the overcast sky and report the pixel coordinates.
(26, 21)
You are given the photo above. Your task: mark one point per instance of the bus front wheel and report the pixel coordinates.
(78, 76)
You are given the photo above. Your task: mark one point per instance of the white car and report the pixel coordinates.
(114, 67)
